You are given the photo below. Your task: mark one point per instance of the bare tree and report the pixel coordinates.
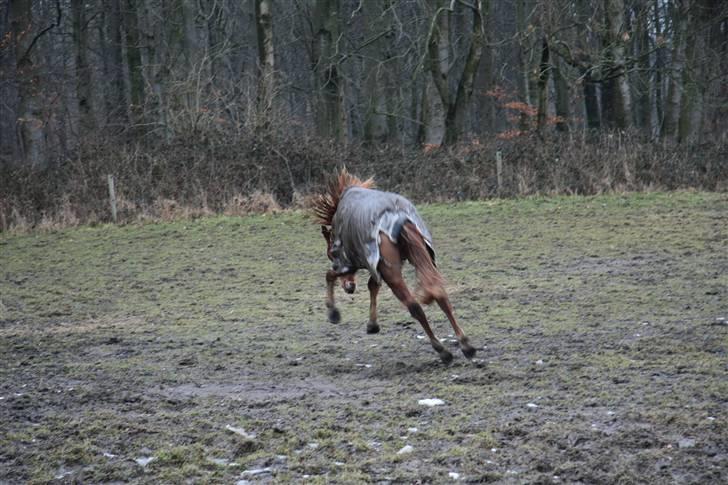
(454, 91)
(266, 59)
(331, 116)
(406, 71)
(24, 36)
(616, 96)
(83, 71)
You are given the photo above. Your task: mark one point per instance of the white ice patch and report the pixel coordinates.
(144, 460)
(257, 471)
(241, 432)
(64, 473)
(686, 443)
(454, 475)
(431, 402)
(405, 449)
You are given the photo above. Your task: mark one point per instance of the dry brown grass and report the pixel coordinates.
(215, 173)
(256, 203)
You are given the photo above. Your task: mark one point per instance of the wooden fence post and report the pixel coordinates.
(499, 170)
(112, 197)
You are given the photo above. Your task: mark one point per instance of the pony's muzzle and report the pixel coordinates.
(349, 286)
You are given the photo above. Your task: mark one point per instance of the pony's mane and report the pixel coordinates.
(324, 204)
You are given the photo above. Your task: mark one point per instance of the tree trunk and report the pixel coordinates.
(433, 115)
(83, 70)
(134, 60)
(691, 94)
(377, 115)
(195, 47)
(266, 61)
(523, 84)
(675, 84)
(585, 65)
(10, 149)
(439, 57)
(485, 109)
(543, 79)
(659, 64)
(440, 68)
(561, 88)
(114, 66)
(155, 62)
(714, 41)
(644, 93)
(29, 116)
(467, 79)
(330, 113)
(617, 99)
(591, 103)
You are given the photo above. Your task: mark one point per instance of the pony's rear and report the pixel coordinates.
(431, 284)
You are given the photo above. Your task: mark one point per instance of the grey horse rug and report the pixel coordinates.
(362, 215)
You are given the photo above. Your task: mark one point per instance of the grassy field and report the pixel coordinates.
(199, 351)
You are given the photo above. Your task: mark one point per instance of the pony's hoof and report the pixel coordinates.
(468, 350)
(445, 357)
(372, 327)
(334, 315)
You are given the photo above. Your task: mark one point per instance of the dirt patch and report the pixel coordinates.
(200, 351)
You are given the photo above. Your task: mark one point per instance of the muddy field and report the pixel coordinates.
(199, 351)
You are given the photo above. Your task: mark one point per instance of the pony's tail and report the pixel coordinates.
(431, 285)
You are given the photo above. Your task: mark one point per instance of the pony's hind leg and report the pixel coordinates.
(373, 285)
(333, 313)
(431, 281)
(468, 350)
(390, 268)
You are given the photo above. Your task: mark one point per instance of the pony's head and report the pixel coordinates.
(348, 281)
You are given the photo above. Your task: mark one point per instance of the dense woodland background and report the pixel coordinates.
(200, 106)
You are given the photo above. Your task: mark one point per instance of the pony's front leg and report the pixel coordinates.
(333, 313)
(373, 285)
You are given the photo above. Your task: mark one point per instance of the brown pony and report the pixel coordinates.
(348, 201)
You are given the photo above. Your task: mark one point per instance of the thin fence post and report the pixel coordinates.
(499, 170)
(112, 197)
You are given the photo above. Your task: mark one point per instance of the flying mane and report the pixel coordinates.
(324, 205)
